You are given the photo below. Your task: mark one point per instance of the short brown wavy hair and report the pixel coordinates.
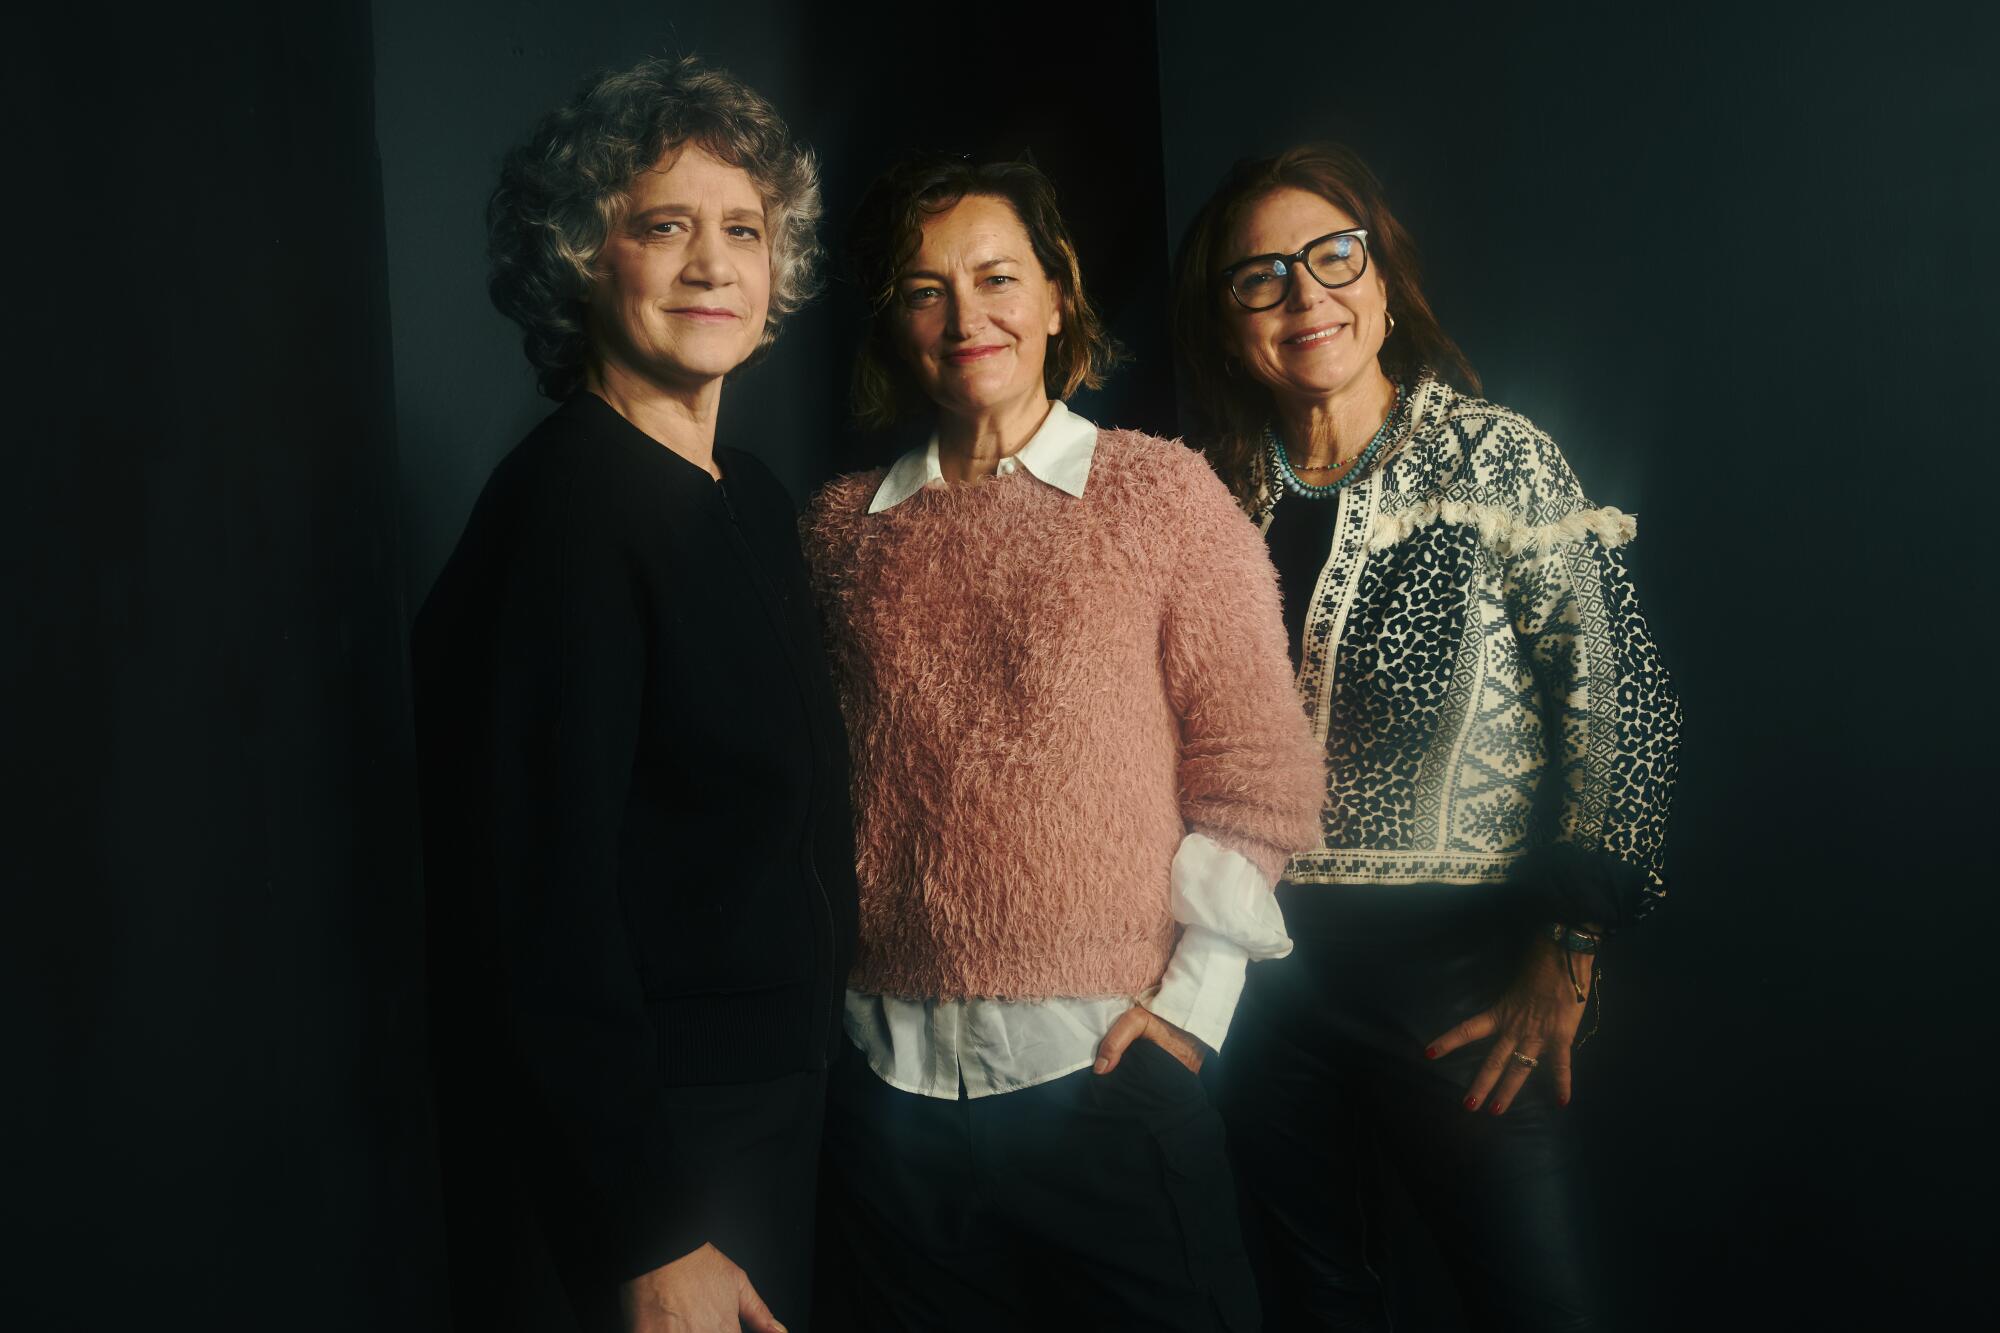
(562, 192)
(1230, 409)
(887, 231)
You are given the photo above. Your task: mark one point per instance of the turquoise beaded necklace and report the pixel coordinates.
(1282, 462)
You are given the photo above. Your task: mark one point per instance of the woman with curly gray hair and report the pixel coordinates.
(639, 850)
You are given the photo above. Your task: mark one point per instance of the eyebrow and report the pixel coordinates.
(980, 267)
(1287, 254)
(689, 210)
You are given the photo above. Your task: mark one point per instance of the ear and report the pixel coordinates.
(1055, 307)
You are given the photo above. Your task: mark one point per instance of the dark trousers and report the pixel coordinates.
(746, 1161)
(1324, 1083)
(1090, 1201)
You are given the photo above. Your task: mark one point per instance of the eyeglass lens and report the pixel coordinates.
(1334, 260)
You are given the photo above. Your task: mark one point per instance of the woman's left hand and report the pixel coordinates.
(1537, 1016)
(1136, 1023)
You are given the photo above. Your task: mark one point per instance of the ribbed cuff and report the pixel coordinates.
(1564, 882)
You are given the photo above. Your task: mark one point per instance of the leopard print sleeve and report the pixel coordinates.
(1611, 715)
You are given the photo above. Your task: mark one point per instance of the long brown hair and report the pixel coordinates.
(1230, 408)
(887, 230)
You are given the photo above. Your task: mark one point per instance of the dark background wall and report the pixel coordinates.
(213, 1112)
(1731, 258)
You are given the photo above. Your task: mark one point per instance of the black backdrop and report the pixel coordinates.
(1726, 255)
(214, 1110)
(1731, 256)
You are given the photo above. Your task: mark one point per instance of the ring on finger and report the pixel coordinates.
(1525, 1061)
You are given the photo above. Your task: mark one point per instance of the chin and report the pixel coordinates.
(973, 393)
(973, 404)
(708, 365)
(1318, 381)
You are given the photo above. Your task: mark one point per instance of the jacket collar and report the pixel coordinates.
(1430, 401)
(1059, 453)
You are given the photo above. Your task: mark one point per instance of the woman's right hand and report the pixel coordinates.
(701, 1292)
(1534, 1020)
(1140, 1022)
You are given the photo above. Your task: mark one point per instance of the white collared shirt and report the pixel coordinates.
(1058, 453)
(1221, 899)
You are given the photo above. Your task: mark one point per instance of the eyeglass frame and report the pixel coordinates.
(1295, 261)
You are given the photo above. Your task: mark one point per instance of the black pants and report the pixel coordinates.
(746, 1159)
(1100, 1202)
(1324, 1081)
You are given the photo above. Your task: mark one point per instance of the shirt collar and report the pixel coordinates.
(1059, 454)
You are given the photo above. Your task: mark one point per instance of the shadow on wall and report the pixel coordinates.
(215, 1088)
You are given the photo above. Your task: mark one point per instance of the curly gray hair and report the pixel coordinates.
(562, 192)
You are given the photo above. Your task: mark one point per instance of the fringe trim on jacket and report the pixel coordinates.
(1506, 533)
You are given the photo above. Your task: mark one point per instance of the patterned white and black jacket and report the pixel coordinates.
(1491, 698)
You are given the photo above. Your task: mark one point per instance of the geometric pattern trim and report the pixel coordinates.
(1476, 662)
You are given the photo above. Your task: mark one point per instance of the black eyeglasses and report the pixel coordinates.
(1334, 260)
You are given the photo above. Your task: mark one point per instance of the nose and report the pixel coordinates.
(963, 316)
(1305, 291)
(709, 263)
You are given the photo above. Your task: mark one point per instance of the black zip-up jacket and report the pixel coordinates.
(639, 850)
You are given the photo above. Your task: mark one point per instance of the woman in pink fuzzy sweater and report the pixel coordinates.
(1079, 766)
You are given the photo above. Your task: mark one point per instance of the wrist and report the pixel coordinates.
(1583, 940)
(1576, 947)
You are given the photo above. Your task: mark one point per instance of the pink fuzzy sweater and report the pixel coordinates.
(1044, 694)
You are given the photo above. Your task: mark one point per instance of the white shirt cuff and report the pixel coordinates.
(1204, 981)
(1224, 893)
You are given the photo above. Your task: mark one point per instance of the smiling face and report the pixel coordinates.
(684, 281)
(975, 311)
(1318, 341)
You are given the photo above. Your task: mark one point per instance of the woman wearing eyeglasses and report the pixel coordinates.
(1501, 744)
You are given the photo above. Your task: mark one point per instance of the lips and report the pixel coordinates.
(967, 355)
(1314, 337)
(702, 314)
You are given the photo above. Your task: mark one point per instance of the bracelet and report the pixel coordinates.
(1596, 1010)
(1573, 940)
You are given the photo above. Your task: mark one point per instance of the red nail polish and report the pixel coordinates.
(1472, 1103)
(1430, 1052)
(1493, 1109)
(1563, 1100)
